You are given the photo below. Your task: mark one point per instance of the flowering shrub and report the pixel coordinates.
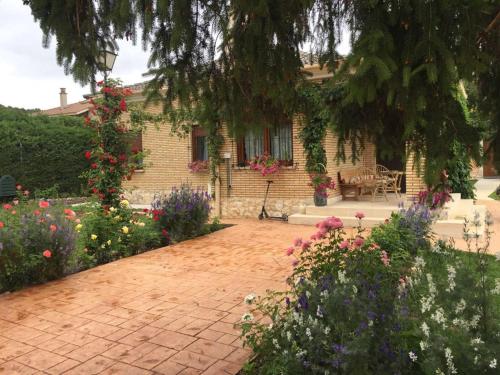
(321, 183)
(107, 235)
(434, 200)
(36, 243)
(112, 158)
(183, 213)
(377, 305)
(265, 164)
(198, 166)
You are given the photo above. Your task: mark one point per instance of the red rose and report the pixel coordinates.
(37, 212)
(123, 105)
(1, 224)
(88, 155)
(87, 120)
(7, 206)
(43, 204)
(94, 190)
(164, 232)
(93, 166)
(122, 157)
(112, 160)
(47, 253)
(145, 210)
(53, 227)
(69, 212)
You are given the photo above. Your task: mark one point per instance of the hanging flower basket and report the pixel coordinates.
(265, 164)
(198, 166)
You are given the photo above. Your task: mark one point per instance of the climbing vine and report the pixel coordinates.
(314, 125)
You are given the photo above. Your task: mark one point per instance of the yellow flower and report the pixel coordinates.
(124, 203)
(112, 209)
(93, 237)
(79, 227)
(117, 218)
(109, 242)
(125, 229)
(140, 223)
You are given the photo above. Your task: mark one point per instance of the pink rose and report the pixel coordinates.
(358, 242)
(297, 242)
(306, 245)
(290, 251)
(359, 215)
(344, 244)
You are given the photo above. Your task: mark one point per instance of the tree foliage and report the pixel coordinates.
(40, 151)
(399, 83)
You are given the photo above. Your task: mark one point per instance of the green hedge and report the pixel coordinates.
(41, 151)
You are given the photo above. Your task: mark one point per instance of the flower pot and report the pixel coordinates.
(320, 199)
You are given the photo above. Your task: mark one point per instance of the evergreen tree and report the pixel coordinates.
(399, 85)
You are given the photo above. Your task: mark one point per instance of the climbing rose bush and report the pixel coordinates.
(376, 305)
(112, 159)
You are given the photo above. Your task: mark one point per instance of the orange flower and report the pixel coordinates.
(7, 206)
(69, 212)
(53, 227)
(43, 204)
(13, 212)
(1, 224)
(47, 253)
(37, 212)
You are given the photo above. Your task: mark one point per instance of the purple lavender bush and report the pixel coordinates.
(183, 213)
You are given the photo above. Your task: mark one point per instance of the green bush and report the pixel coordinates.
(184, 213)
(107, 235)
(36, 244)
(459, 170)
(391, 303)
(40, 151)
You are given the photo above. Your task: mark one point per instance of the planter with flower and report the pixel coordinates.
(266, 164)
(198, 166)
(321, 183)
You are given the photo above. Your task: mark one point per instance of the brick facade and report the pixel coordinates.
(239, 191)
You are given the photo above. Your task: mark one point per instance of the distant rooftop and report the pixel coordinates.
(74, 109)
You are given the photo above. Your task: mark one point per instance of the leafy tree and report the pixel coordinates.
(400, 81)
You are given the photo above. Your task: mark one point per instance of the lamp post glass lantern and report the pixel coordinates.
(106, 61)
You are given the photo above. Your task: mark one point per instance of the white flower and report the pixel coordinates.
(308, 294)
(493, 363)
(301, 353)
(324, 293)
(276, 345)
(250, 298)
(460, 306)
(425, 329)
(112, 209)
(432, 286)
(247, 317)
(319, 313)
(449, 361)
(419, 262)
(424, 345)
(426, 303)
(476, 341)
(289, 335)
(438, 316)
(308, 333)
(451, 278)
(475, 321)
(496, 290)
(327, 330)
(342, 278)
(412, 356)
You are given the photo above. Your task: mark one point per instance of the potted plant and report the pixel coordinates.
(266, 164)
(321, 183)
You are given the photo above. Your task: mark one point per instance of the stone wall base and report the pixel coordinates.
(251, 207)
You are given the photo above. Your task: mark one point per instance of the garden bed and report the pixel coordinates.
(45, 240)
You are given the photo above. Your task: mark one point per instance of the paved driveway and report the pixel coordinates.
(168, 311)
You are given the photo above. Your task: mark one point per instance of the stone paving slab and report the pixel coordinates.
(167, 311)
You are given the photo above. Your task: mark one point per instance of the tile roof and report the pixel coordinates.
(74, 109)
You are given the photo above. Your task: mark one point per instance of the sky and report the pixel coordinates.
(29, 74)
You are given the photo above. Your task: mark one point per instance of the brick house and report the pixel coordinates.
(239, 191)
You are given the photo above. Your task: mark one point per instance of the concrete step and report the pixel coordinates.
(349, 221)
(351, 210)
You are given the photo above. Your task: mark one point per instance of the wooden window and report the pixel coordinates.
(136, 147)
(276, 142)
(199, 144)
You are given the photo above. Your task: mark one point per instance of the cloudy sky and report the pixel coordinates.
(29, 74)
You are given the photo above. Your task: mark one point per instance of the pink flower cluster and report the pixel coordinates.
(384, 257)
(266, 164)
(321, 183)
(330, 223)
(198, 166)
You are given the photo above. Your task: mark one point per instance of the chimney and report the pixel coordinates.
(63, 97)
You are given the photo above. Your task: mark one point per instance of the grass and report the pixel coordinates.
(494, 196)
